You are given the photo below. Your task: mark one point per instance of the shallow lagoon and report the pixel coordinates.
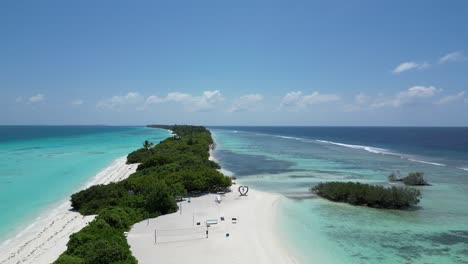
(41, 166)
(327, 232)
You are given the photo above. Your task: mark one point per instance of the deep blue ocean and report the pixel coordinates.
(41, 166)
(290, 160)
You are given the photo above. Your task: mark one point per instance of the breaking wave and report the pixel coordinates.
(427, 162)
(366, 148)
(295, 138)
(374, 150)
(381, 151)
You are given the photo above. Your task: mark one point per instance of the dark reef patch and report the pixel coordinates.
(247, 164)
(407, 247)
(450, 238)
(27, 148)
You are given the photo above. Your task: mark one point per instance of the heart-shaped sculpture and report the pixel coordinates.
(243, 190)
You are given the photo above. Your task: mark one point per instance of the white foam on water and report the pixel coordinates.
(427, 162)
(381, 151)
(369, 149)
(366, 148)
(286, 137)
(360, 147)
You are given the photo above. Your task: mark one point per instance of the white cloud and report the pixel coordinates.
(419, 91)
(406, 66)
(451, 98)
(77, 102)
(361, 101)
(153, 99)
(204, 102)
(247, 102)
(411, 65)
(36, 98)
(299, 100)
(454, 56)
(120, 101)
(409, 96)
(362, 98)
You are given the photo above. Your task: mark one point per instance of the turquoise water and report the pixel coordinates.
(41, 166)
(319, 231)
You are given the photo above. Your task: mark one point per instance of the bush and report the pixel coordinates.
(370, 195)
(68, 259)
(98, 243)
(415, 178)
(393, 177)
(160, 201)
(97, 197)
(119, 217)
(137, 156)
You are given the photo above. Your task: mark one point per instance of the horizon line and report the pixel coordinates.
(141, 125)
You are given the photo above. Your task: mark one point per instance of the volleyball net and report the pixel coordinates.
(179, 234)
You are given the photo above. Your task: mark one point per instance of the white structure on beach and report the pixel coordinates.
(184, 237)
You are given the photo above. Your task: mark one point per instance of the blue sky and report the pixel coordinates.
(234, 62)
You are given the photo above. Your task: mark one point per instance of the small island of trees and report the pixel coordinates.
(412, 179)
(356, 193)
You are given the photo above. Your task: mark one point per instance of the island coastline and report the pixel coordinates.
(46, 238)
(252, 238)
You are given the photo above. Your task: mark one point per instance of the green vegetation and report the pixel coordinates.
(370, 195)
(394, 177)
(176, 166)
(147, 145)
(413, 178)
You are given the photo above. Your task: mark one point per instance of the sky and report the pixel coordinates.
(304, 63)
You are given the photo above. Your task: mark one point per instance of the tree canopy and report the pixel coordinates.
(176, 166)
(356, 193)
(413, 178)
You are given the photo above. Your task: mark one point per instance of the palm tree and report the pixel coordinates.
(147, 145)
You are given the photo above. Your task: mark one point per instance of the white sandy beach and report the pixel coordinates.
(46, 239)
(252, 238)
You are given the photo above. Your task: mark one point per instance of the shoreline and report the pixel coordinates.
(222, 170)
(253, 238)
(278, 231)
(45, 239)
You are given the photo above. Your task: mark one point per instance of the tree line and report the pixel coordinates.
(177, 166)
(356, 193)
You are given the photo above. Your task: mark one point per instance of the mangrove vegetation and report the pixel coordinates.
(375, 196)
(412, 179)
